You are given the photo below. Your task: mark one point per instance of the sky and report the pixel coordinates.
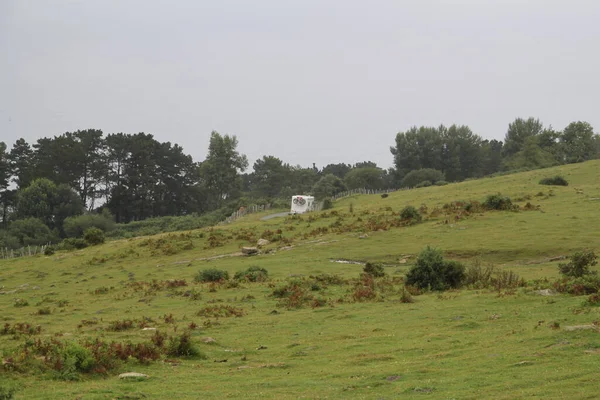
(311, 81)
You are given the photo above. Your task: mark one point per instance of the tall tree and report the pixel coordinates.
(44, 200)
(115, 161)
(269, 176)
(89, 161)
(5, 175)
(340, 170)
(365, 177)
(461, 153)
(327, 186)
(22, 160)
(518, 132)
(577, 141)
(220, 172)
(491, 153)
(531, 155)
(418, 148)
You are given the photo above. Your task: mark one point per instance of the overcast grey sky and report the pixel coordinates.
(308, 81)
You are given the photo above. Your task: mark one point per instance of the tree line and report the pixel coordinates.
(132, 177)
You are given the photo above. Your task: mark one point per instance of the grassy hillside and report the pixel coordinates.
(329, 342)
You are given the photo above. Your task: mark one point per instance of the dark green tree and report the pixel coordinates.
(269, 176)
(220, 172)
(50, 203)
(491, 151)
(5, 192)
(577, 142)
(518, 132)
(340, 170)
(530, 156)
(365, 177)
(32, 232)
(22, 160)
(327, 186)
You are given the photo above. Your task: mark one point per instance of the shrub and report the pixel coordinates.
(579, 265)
(49, 250)
(555, 181)
(327, 186)
(413, 178)
(433, 272)
(77, 225)
(32, 231)
(441, 183)
(252, 274)
(498, 202)
(93, 236)
(8, 241)
(586, 284)
(327, 203)
(385, 196)
(20, 303)
(423, 184)
(6, 392)
(405, 296)
(211, 275)
(181, 345)
(374, 269)
(364, 289)
(72, 243)
(410, 213)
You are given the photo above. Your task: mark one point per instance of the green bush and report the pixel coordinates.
(211, 275)
(32, 232)
(252, 274)
(49, 250)
(181, 345)
(579, 265)
(6, 392)
(423, 184)
(498, 202)
(432, 272)
(441, 183)
(555, 180)
(374, 269)
(586, 284)
(410, 213)
(93, 236)
(327, 203)
(413, 178)
(8, 241)
(76, 226)
(72, 244)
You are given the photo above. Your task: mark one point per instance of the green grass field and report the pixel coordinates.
(461, 344)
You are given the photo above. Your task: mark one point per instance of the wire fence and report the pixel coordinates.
(6, 253)
(243, 211)
(362, 191)
(317, 206)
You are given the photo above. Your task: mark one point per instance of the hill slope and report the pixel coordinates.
(463, 344)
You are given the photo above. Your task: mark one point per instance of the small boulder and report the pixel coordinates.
(137, 375)
(149, 329)
(249, 251)
(581, 328)
(545, 292)
(262, 242)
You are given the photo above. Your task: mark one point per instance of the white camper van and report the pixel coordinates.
(302, 204)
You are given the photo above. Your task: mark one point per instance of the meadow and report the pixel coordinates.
(315, 326)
